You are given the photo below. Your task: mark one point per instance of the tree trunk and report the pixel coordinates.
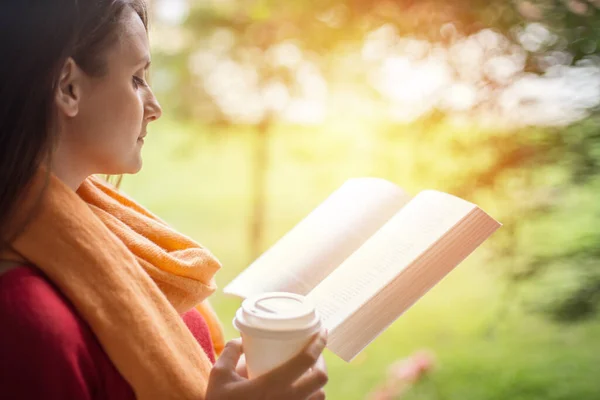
(260, 170)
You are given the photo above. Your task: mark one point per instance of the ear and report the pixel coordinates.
(68, 92)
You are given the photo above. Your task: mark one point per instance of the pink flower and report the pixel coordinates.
(425, 360)
(402, 374)
(404, 370)
(412, 368)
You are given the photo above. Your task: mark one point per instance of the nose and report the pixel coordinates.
(152, 109)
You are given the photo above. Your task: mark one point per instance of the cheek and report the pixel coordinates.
(128, 111)
(112, 122)
(114, 111)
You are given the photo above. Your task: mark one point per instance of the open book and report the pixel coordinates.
(367, 254)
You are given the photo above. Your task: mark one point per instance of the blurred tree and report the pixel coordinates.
(574, 39)
(250, 61)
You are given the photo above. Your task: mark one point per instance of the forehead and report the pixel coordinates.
(132, 45)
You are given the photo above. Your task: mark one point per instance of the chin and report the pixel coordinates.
(131, 167)
(135, 168)
(124, 164)
(134, 165)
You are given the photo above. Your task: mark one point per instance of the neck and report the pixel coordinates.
(70, 177)
(68, 169)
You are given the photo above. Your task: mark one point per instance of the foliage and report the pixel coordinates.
(543, 172)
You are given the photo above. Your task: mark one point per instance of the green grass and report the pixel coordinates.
(486, 347)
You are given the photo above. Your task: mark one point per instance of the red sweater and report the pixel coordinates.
(47, 351)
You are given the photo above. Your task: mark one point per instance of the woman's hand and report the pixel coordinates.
(241, 368)
(301, 378)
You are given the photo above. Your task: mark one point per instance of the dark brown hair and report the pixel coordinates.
(36, 39)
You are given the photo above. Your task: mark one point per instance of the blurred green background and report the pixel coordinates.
(270, 106)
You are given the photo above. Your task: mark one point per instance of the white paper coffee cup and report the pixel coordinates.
(274, 327)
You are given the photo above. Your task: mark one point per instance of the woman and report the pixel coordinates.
(100, 299)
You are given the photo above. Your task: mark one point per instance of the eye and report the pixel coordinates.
(137, 82)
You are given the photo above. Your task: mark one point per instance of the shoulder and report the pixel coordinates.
(43, 342)
(29, 301)
(199, 328)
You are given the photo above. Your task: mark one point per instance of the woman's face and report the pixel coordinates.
(103, 127)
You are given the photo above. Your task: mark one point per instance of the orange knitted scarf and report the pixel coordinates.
(129, 275)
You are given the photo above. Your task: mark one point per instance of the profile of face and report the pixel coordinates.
(102, 120)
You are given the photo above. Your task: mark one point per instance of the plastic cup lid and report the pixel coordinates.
(277, 311)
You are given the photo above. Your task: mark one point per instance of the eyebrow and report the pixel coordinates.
(145, 60)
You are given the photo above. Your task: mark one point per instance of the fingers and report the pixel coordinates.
(311, 384)
(291, 370)
(318, 395)
(321, 363)
(241, 367)
(223, 373)
(230, 356)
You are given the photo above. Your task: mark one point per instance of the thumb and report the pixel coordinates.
(230, 356)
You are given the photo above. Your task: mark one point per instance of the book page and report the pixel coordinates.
(323, 239)
(395, 255)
